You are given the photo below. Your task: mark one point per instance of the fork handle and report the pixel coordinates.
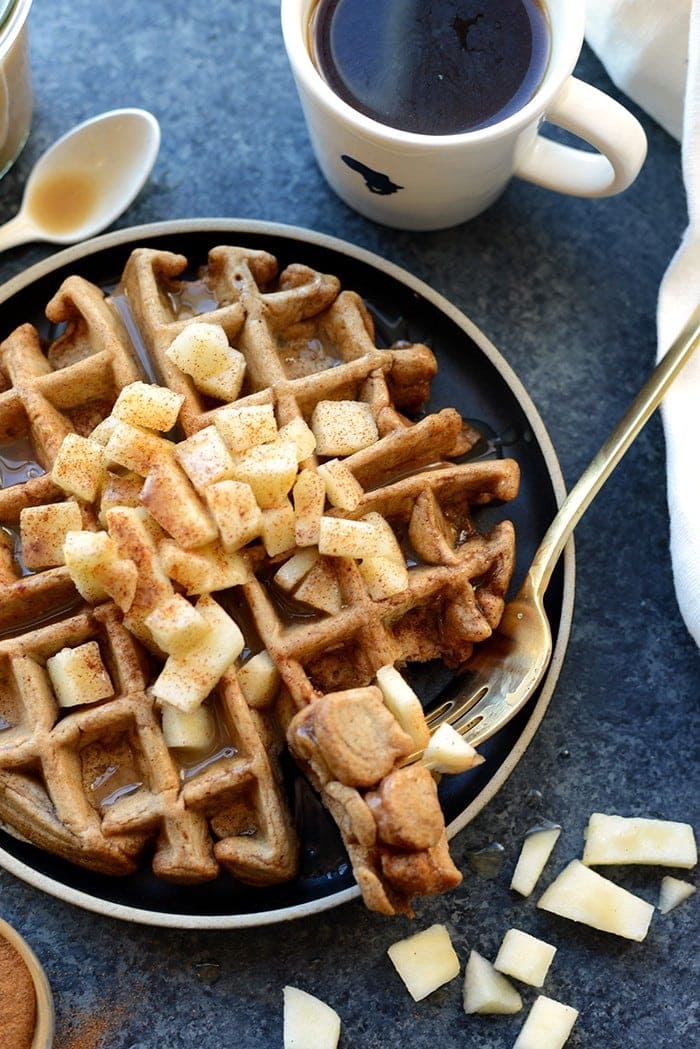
(604, 462)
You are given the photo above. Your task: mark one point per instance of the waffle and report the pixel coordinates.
(102, 783)
(45, 395)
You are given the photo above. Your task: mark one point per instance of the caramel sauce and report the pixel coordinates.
(115, 782)
(191, 299)
(120, 303)
(304, 356)
(63, 201)
(17, 463)
(10, 539)
(201, 764)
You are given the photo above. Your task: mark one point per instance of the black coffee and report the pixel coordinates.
(432, 66)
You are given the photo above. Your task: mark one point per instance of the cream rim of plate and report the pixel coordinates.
(138, 234)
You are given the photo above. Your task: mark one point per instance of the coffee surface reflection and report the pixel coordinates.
(435, 67)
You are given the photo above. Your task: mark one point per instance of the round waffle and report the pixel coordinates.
(97, 783)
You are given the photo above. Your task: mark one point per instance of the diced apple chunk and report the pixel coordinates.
(425, 961)
(383, 577)
(195, 730)
(205, 570)
(278, 528)
(296, 430)
(583, 895)
(43, 532)
(97, 568)
(524, 957)
(119, 490)
(143, 404)
(673, 892)
(226, 384)
(79, 467)
(205, 458)
(293, 571)
(170, 498)
(320, 588)
(341, 538)
(176, 625)
(487, 991)
(270, 470)
(343, 427)
(386, 543)
(136, 449)
(309, 497)
(202, 351)
(447, 751)
(81, 551)
(259, 679)
(342, 488)
(404, 704)
(104, 430)
(246, 426)
(186, 680)
(308, 1022)
(620, 840)
(536, 849)
(78, 675)
(132, 530)
(235, 510)
(548, 1025)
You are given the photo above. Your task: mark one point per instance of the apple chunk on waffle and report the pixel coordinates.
(277, 534)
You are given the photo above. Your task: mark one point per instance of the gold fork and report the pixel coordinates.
(505, 670)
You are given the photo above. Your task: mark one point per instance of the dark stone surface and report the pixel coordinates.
(567, 290)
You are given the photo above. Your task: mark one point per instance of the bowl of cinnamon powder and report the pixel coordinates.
(26, 1005)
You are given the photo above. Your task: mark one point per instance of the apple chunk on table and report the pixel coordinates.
(486, 990)
(535, 852)
(308, 1022)
(621, 840)
(548, 1025)
(583, 895)
(425, 961)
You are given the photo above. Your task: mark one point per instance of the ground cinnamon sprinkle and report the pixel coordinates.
(17, 999)
(92, 1031)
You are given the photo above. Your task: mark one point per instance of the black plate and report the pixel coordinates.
(472, 377)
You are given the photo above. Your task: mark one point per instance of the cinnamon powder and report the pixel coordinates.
(17, 999)
(91, 1031)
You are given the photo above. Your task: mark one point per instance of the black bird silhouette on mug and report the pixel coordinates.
(375, 181)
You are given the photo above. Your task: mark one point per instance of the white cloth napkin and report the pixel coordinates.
(651, 49)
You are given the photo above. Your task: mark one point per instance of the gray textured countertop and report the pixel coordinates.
(567, 290)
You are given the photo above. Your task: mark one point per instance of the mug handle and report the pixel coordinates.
(600, 121)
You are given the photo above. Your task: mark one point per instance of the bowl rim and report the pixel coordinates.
(45, 1014)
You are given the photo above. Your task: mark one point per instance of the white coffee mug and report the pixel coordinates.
(420, 182)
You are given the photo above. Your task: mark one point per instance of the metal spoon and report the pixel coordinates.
(86, 179)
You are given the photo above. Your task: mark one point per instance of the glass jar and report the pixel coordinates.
(15, 81)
